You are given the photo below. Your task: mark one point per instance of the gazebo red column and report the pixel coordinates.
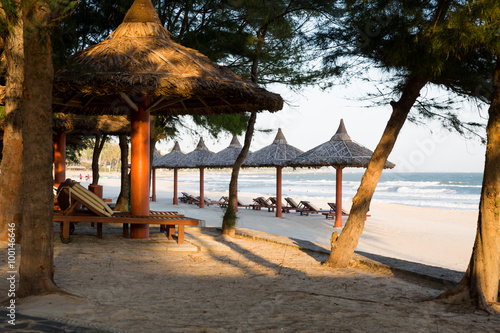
(176, 200)
(202, 187)
(59, 159)
(278, 191)
(139, 168)
(338, 199)
(153, 176)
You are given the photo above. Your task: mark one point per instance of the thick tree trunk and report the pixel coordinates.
(479, 286)
(12, 165)
(122, 202)
(98, 146)
(229, 219)
(37, 259)
(343, 246)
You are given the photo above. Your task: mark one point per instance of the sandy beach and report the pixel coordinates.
(246, 284)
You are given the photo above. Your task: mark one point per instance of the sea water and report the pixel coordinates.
(434, 190)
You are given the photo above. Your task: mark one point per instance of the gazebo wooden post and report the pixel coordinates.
(176, 200)
(153, 176)
(202, 187)
(278, 191)
(338, 200)
(59, 159)
(139, 168)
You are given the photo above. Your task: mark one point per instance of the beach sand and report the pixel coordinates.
(250, 285)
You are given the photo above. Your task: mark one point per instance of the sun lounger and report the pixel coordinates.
(333, 211)
(309, 208)
(262, 202)
(224, 201)
(189, 199)
(72, 194)
(293, 205)
(241, 204)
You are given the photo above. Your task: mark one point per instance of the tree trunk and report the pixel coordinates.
(37, 259)
(98, 146)
(122, 202)
(479, 286)
(343, 246)
(229, 219)
(12, 166)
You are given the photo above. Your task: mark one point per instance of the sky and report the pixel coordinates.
(311, 117)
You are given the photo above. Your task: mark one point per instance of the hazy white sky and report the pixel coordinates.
(313, 118)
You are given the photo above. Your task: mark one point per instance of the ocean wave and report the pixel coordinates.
(409, 190)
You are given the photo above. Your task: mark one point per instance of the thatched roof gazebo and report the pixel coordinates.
(172, 160)
(198, 158)
(139, 70)
(227, 157)
(274, 155)
(340, 152)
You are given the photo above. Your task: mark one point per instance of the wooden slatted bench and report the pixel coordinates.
(168, 220)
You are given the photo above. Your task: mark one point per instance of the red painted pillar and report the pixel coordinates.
(153, 196)
(139, 168)
(278, 191)
(202, 188)
(176, 200)
(59, 159)
(338, 200)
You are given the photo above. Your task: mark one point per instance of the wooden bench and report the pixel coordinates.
(167, 220)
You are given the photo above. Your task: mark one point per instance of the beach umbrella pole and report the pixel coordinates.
(278, 191)
(176, 200)
(59, 159)
(139, 168)
(202, 188)
(338, 201)
(153, 196)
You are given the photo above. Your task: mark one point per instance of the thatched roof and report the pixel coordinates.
(90, 125)
(226, 157)
(339, 151)
(156, 156)
(198, 158)
(276, 154)
(171, 160)
(140, 59)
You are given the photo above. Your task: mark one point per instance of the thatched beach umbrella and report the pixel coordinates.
(227, 157)
(340, 152)
(198, 158)
(156, 157)
(171, 160)
(275, 155)
(139, 68)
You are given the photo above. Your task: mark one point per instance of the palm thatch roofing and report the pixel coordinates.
(226, 157)
(171, 160)
(156, 156)
(90, 125)
(140, 59)
(340, 151)
(276, 154)
(198, 158)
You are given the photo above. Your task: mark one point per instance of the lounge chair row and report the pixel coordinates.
(191, 199)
